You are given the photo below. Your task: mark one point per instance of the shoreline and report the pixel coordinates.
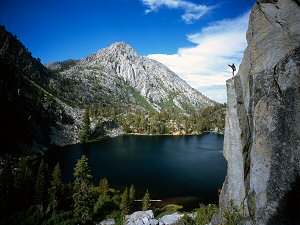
(143, 134)
(132, 134)
(197, 134)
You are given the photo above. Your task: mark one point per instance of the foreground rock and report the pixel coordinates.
(170, 219)
(147, 218)
(262, 134)
(141, 217)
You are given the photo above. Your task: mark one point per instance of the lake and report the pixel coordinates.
(182, 169)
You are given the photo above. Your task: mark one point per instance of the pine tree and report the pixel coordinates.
(85, 134)
(132, 193)
(104, 187)
(55, 191)
(125, 204)
(83, 193)
(146, 201)
(41, 185)
(131, 196)
(103, 197)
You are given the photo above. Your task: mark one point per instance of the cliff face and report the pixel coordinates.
(32, 117)
(262, 134)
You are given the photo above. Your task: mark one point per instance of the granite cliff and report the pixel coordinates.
(262, 132)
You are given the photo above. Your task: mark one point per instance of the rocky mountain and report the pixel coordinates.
(262, 134)
(43, 106)
(32, 115)
(119, 75)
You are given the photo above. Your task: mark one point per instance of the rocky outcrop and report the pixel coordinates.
(107, 127)
(262, 134)
(147, 218)
(140, 218)
(171, 219)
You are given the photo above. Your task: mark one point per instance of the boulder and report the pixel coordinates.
(170, 219)
(141, 218)
(153, 221)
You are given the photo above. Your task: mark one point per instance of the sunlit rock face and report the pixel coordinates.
(120, 74)
(262, 134)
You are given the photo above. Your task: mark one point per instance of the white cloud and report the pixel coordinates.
(192, 11)
(217, 91)
(206, 64)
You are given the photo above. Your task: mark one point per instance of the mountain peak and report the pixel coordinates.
(119, 50)
(120, 45)
(138, 80)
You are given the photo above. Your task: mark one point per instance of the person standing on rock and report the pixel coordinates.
(233, 68)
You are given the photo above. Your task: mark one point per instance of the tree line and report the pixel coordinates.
(138, 120)
(28, 197)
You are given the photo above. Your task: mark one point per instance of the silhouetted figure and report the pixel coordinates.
(233, 68)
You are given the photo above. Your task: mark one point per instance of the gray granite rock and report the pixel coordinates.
(262, 134)
(153, 221)
(141, 218)
(119, 73)
(170, 219)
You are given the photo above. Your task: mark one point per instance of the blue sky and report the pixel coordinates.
(196, 39)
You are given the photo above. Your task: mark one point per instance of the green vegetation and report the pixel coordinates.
(136, 120)
(85, 134)
(168, 209)
(169, 104)
(41, 186)
(104, 187)
(205, 213)
(83, 195)
(200, 216)
(146, 201)
(65, 65)
(54, 202)
(132, 194)
(140, 99)
(234, 215)
(125, 202)
(56, 190)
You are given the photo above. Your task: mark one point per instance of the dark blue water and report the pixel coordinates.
(168, 166)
